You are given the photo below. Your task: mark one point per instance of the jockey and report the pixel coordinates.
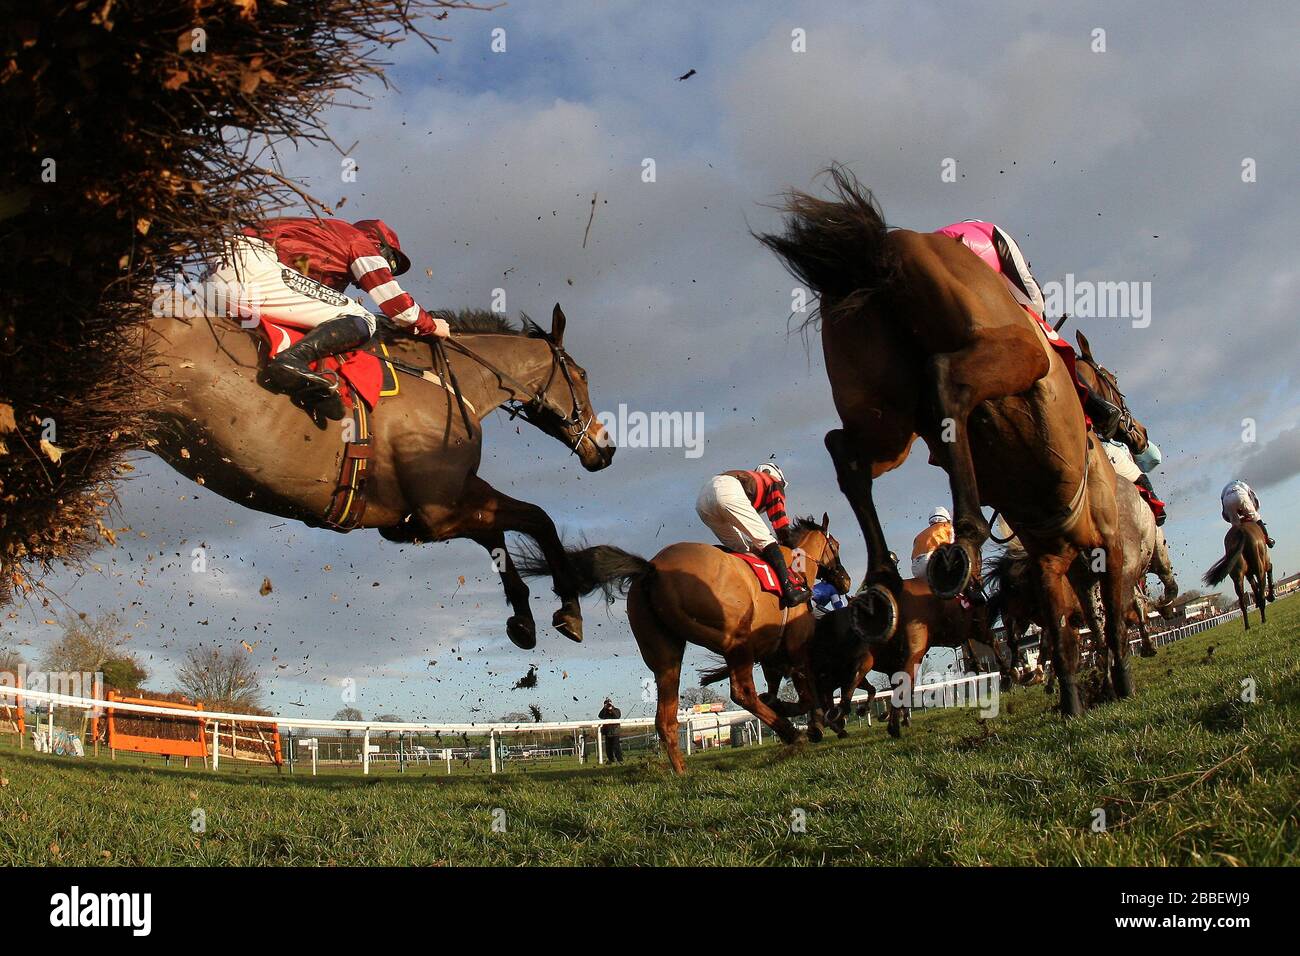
(938, 531)
(1241, 504)
(1127, 467)
(826, 598)
(322, 257)
(1000, 252)
(729, 505)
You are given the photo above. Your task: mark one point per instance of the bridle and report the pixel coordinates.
(573, 423)
(829, 560)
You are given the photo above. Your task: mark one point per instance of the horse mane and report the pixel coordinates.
(805, 523)
(838, 247)
(485, 322)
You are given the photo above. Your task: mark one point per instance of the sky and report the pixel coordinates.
(1159, 151)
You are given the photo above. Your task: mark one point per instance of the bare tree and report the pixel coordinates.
(222, 679)
(95, 646)
(348, 713)
(691, 696)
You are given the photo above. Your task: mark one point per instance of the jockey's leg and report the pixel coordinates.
(1267, 538)
(792, 594)
(291, 371)
(1105, 415)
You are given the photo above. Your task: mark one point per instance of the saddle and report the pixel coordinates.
(767, 580)
(363, 378)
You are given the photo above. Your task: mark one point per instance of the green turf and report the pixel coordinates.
(1187, 773)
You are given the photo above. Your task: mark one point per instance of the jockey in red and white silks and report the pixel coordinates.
(293, 271)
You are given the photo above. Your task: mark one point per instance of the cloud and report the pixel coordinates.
(1273, 462)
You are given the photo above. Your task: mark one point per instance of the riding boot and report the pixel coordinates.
(1152, 499)
(792, 595)
(1271, 542)
(1105, 416)
(290, 371)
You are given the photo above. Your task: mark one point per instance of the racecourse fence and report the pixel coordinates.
(493, 746)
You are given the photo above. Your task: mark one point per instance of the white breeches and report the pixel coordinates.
(1122, 459)
(919, 564)
(725, 510)
(1237, 507)
(254, 284)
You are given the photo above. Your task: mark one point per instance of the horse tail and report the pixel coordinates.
(838, 247)
(1001, 575)
(602, 566)
(1223, 567)
(711, 675)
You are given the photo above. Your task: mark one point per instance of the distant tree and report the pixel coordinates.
(221, 679)
(692, 696)
(389, 719)
(348, 713)
(94, 646)
(11, 662)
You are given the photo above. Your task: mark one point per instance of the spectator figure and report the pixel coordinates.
(613, 746)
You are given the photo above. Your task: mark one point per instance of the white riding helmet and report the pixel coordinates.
(940, 513)
(773, 469)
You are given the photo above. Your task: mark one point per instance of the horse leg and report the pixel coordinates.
(521, 628)
(1241, 597)
(1257, 589)
(1060, 627)
(744, 693)
(994, 365)
(877, 605)
(485, 508)
(662, 653)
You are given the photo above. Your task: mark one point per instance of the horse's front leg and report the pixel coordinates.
(485, 509)
(877, 605)
(520, 627)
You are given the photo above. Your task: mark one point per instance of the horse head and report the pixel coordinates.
(817, 543)
(562, 406)
(1102, 381)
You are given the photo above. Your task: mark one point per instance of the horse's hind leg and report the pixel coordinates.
(1060, 627)
(744, 693)
(662, 653)
(520, 627)
(991, 367)
(1239, 586)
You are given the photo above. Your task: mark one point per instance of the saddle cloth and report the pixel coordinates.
(361, 370)
(767, 579)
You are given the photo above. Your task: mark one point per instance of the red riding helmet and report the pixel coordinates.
(379, 231)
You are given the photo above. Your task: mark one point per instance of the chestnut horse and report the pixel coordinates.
(214, 424)
(1245, 558)
(921, 337)
(701, 594)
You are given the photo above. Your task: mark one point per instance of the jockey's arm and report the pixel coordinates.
(776, 514)
(371, 272)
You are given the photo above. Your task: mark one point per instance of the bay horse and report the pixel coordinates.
(700, 594)
(1245, 559)
(216, 425)
(921, 337)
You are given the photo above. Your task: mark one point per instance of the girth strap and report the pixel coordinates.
(348, 504)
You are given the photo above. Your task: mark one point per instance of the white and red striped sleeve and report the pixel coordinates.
(371, 272)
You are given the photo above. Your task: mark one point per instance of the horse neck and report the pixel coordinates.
(527, 361)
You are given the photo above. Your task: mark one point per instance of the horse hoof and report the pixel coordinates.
(1071, 702)
(522, 632)
(895, 731)
(1147, 651)
(569, 625)
(1123, 681)
(841, 733)
(948, 571)
(875, 614)
(815, 734)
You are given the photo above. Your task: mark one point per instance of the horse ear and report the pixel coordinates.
(557, 325)
(826, 522)
(1084, 348)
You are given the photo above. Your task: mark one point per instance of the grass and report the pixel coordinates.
(1187, 774)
